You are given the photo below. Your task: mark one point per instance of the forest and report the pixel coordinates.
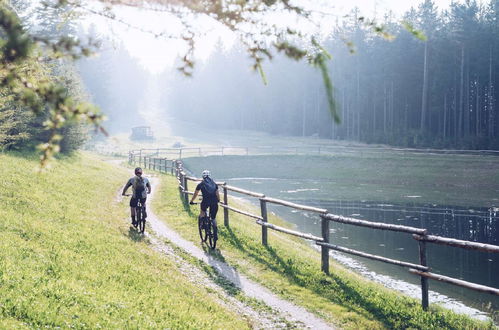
(393, 88)
(396, 90)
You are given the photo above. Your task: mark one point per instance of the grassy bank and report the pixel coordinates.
(460, 180)
(69, 259)
(291, 268)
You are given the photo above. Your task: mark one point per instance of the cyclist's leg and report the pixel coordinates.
(143, 201)
(133, 205)
(202, 210)
(213, 212)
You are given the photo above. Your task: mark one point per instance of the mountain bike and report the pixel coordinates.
(140, 213)
(208, 231)
(140, 216)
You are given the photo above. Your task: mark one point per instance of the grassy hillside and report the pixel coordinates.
(291, 268)
(68, 258)
(463, 180)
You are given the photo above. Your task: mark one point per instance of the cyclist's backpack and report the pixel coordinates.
(210, 186)
(139, 186)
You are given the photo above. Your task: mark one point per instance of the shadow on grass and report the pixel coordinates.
(186, 205)
(134, 235)
(330, 287)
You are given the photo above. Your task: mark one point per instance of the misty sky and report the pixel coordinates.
(158, 54)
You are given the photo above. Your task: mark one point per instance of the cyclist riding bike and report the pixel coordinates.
(211, 197)
(140, 187)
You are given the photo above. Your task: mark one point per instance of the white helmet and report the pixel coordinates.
(206, 174)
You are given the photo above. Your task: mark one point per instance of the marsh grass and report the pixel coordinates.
(69, 259)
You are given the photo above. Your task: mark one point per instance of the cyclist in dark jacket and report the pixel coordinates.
(140, 187)
(211, 196)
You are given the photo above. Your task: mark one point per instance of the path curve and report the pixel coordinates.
(289, 311)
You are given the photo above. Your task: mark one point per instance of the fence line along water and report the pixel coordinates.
(420, 235)
(179, 153)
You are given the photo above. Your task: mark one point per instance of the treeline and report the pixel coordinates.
(440, 93)
(20, 127)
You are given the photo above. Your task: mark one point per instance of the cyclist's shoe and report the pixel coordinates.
(134, 223)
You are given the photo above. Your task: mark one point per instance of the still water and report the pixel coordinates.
(466, 223)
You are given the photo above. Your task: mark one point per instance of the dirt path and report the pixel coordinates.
(281, 314)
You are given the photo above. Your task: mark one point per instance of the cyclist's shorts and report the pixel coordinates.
(134, 201)
(213, 209)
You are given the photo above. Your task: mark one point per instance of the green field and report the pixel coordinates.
(68, 258)
(461, 180)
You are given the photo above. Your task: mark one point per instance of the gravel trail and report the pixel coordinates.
(281, 314)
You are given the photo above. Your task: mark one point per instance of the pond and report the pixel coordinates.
(465, 223)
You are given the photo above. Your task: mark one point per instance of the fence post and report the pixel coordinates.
(154, 163)
(263, 207)
(226, 211)
(424, 280)
(181, 183)
(325, 250)
(140, 157)
(186, 195)
(171, 170)
(180, 153)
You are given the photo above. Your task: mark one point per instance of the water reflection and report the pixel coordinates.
(465, 223)
(479, 225)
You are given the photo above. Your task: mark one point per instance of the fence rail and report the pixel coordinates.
(179, 153)
(420, 235)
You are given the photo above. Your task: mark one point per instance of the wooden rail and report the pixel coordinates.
(458, 243)
(244, 192)
(289, 231)
(373, 256)
(419, 234)
(455, 281)
(254, 216)
(374, 225)
(293, 205)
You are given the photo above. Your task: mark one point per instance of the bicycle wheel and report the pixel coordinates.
(138, 216)
(142, 221)
(142, 225)
(201, 227)
(212, 235)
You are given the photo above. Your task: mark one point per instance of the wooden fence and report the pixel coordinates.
(179, 153)
(420, 235)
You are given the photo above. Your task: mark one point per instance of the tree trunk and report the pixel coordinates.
(425, 89)
(477, 109)
(445, 117)
(461, 97)
(490, 100)
(384, 110)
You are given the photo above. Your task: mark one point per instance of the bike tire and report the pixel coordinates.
(213, 235)
(142, 225)
(138, 216)
(202, 230)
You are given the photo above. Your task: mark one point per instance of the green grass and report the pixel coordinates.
(291, 268)
(69, 259)
(461, 180)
